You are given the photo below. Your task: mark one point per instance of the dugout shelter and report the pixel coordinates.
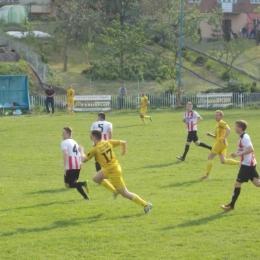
(14, 93)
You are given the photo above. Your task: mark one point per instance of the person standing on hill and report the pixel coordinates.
(49, 93)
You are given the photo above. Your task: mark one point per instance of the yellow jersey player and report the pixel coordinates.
(70, 100)
(220, 146)
(110, 168)
(144, 103)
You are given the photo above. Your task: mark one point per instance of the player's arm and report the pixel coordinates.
(109, 133)
(248, 150)
(226, 134)
(83, 156)
(211, 135)
(123, 146)
(65, 159)
(198, 119)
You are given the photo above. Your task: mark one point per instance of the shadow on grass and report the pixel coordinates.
(48, 191)
(56, 224)
(40, 205)
(160, 165)
(198, 222)
(189, 183)
(126, 216)
(128, 126)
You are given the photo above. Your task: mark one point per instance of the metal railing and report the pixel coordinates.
(159, 101)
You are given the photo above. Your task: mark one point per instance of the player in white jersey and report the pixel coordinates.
(72, 163)
(106, 129)
(191, 119)
(248, 163)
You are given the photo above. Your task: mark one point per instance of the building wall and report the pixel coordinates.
(36, 6)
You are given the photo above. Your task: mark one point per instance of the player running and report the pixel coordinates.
(70, 100)
(104, 153)
(222, 131)
(191, 119)
(248, 163)
(106, 129)
(72, 163)
(144, 103)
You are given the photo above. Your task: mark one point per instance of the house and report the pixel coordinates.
(237, 13)
(34, 7)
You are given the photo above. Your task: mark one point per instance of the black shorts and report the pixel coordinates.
(71, 176)
(98, 167)
(192, 136)
(247, 173)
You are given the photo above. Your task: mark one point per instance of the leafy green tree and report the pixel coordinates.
(227, 52)
(125, 43)
(76, 18)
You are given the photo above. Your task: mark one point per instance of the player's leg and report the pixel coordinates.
(186, 148)
(210, 162)
(72, 107)
(198, 143)
(143, 119)
(225, 160)
(100, 178)
(234, 198)
(254, 176)
(71, 181)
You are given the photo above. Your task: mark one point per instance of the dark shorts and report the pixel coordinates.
(247, 173)
(98, 167)
(192, 136)
(71, 176)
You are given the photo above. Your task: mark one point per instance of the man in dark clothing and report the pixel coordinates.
(49, 93)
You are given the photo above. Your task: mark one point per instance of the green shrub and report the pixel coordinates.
(208, 66)
(225, 75)
(156, 38)
(201, 60)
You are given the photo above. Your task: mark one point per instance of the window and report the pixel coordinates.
(227, 1)
(255, 1)
(194, 1)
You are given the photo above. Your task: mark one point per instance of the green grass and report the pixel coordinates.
(40, 219)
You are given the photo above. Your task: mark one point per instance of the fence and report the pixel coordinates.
(27, 54)
(159, 101)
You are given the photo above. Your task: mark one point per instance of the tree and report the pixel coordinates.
(227, 52)
(166, 22)
(125, 43)
(76, 18)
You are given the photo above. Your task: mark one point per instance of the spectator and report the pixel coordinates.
(49, 93)
(121, 96)
(244, 32)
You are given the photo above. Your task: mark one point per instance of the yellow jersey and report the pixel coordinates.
(144, 101)
(220, 130)
(104, 154)
(70, 93)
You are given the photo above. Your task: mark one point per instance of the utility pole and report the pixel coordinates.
(179, 97)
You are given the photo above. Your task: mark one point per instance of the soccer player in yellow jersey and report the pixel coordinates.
(110, 168)
(220, 146)
(144, 103)
(70, 100)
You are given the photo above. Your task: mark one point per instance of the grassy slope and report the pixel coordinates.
(42, 220)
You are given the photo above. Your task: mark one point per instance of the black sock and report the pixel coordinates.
(205, 146)
(76, 184)
(81, 191)
(235, 196)
(187, 147)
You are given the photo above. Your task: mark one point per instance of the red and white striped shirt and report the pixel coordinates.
(190, 118)
(104, 126)
(243, 143)
(73, 161)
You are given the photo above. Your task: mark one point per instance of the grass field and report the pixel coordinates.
(40, 219)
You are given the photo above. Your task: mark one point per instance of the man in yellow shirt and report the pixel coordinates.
(110, 168)
(220, 146)
(144, 103)
(70, 100)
